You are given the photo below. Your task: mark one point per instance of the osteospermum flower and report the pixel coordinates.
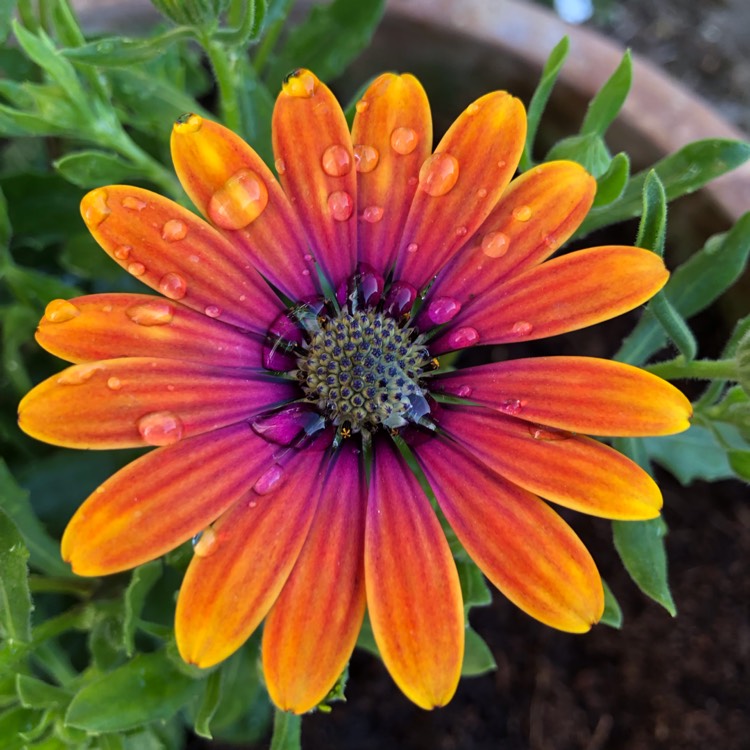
(290, 367)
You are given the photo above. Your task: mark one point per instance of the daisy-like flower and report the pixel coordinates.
(290, 370)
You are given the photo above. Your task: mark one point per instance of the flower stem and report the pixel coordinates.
(224, 70)
(287, 731)
(701, 369)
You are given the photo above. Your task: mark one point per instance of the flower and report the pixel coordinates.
(289, 371)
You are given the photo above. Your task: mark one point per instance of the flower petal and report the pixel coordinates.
(229, 183)
(392, 108)
(561, 295)
(311, 630)
(314, 157)
(162, 499)
(135, 401)
(177, 253)
(580, 394)
(460, 184)
(255, 544)
(577, 472)
(413, 592)
(105, 326)
(558, 196)
(518, 541)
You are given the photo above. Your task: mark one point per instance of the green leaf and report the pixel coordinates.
(739, 461)
(37, 288)
(612, 613)
(681, 173)
(141, 582)
(19, 323)
(610, 186)
(105, 641)
(148, 688)
(15, 599)
(81, 255)
(640, 545)
(474, 588)
(287, 731)
(478, 658)
(116, 51)
(539, 100)
(209, 703)
(15, 722)
(653, 227)
(674, 326)
(90, 169)
(5, 228)
(7, 8)
(607, 103)
(328, 40)
(588, 150)
(35, 693)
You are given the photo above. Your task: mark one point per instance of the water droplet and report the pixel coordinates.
(472, 109)
(461, 232)
(550, 241)
(160, 428)
(340, 205)
(137, 269)
(95, 207)
(188, 123)
(404, 140)
(114, 384)
(301, 84)
(521, 213)
(305, 271)
(400, 298)
(372, 214)
(206, 543)
(122, 252)
(464, 391)
(239, 201)
(336, 161)
(270, 480)
(412, 181)
(155, 313)
(443, 309)
(482, 193)
(107, 308)
(365, 158)
(133, 203)
(438, 174)
(60, 311)
(172, 285)
(513, 406)
(212, 311)
(522, 328)
(79, 373)
(495, 244)
(501, 164)
(361, 106)
(174, 230)
(540, 432)
(412, 247)
(463, 337)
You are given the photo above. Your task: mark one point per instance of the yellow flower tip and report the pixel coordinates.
(187, 124)
(301, 84)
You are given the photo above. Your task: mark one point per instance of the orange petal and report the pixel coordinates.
(230, 586)
(518, 541)
(163, 499)
(413, 592)
(580, 394)
(136, 401)
(460, 184)
(177, 253)
(577, 472)
(314, 156)
(105, 326)
(561, 295)
(311, 630)
(393, 110)
(558, 194)
(229, 183)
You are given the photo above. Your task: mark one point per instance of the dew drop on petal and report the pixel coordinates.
(539, 432)
(107, 308)
(79, 373)
(372, 214)
(336, 161)
(114, 384)
(495, 244)
(137, 269)
(463, 337)
(464, 391)
(461, 231)
(239, 201)
(404, 140)
(280, 165)
(122, 252)
(501, 164)
(521, 213)
(133, 203)
(206, 543)
(174, 230)
(443, 309)
(301, 84)
(513, 406)
(269, 480)
(361, 106)
(438, 174)
(365, 158)
(95, 207)
(482, 193)
(172, 285)
(212, 311)
(412, 247)
(550, 241)
(156, 313)
(340, 205)
(60, 311)
(472, 109)
(160, 428)
(188, 123)
(522, 328)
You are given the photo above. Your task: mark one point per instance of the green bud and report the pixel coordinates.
(201, 13)
(742, 358)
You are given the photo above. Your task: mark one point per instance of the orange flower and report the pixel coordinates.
(291, 361)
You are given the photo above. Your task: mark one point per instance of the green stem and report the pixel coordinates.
(702, 369)
(224, 70)
(151, 168)
(287, 731)
(50, 585)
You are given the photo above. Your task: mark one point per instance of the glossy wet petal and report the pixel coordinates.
(561, 295)
(413, 593)
(570, 470)
(388, 158)
(231, 184)
(311, 139)
(460, 184)
(311, 630)
(136, 401)
(162, 499)
(580, 394)
(518, 541)
(177, 253)
(256, 543)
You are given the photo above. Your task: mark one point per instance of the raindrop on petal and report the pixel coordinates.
(463, 337)
(155, 313)
(464, 391)
(336, 161)
(438, 174)
(513, 406)
(114, 384)
(495, 244)
(521, 213)
(239, 201)
(461, 231)
(174, 230)
(365, 158)
(482, 193)
(361, 106)
(522, 328)
(412, 247)
(206, 543)
(372, 214)
(340, 205)
(301, 84)
(280, 165)
(160, 428)
(269, 480)
(60, 311)
(79, 373)
(404, 140)
(212, 311)
(443, 309)
(95, 207)
(472, 109)
(172, 285)
(133, 203)
(540, 432)
(188, 123)
(137, 269)
(122, 252)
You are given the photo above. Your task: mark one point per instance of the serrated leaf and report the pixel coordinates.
(478, 658)
(15, 599)
(148, 688)
(610, 186)
(90, 169)
(116, 51)
(588, 150)
(640, 545)
(34, 693)
(141, 582)
(607, 103)
(612, 612)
